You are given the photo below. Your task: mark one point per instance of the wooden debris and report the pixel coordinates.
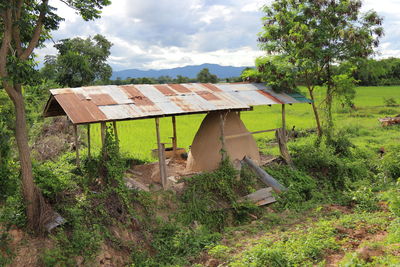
(133, 184)
(388, 121)
(261, 197)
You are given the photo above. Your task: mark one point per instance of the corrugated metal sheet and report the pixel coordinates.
(108, 103)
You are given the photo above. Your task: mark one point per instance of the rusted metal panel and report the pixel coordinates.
(165, 90)
(108, 103)
(179, 88)
(212, 87)
(102, 99)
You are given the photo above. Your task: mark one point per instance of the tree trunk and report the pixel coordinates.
(37, 210)
(329, 101)
(316, 115)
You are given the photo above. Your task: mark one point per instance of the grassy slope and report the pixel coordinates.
(138, 137)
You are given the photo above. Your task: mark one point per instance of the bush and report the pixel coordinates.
(390, 102)
(174, 245)
(212, 198)
(390, 164)
(54, 177)
(301, 187)
(334, 164)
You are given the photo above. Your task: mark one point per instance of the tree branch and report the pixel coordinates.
(36, 35)
(16, 30)
(5, 44)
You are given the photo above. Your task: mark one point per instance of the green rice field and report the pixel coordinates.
(138, 137)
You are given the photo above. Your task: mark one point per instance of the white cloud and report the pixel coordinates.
(170, 33)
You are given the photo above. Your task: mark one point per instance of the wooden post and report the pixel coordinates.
(115, 130)
(161, 157)
(222, 127)
(76, 145)
(284, 120)
(238, 114)
(103, 133)
(174, 139)
(88, 138)
(281, 138)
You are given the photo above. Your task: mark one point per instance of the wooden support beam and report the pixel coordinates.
(222, 116)
(115, 131)
(264, 176)
(284, 119)
(103, 133)
(78, 163)
(281, 137)
(174, 137)
(248, 133)
(161, 156)
(88, 138)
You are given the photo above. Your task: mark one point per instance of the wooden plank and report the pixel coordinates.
(281, 138)
(260, 194)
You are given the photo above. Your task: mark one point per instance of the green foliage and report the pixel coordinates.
(252, 75)
(390, 102)
(364, 198)
(301, 187)
(332, 163)
(212, 198)
(13, 211)
(220, 252)
(277, 72)
(372, 72)
(54, 177)
(175, 245)
(79, 62)
(390, 164)
(297, 248)
(204, 76)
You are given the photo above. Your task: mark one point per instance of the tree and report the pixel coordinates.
(82, 61)
(24, 26)
(314, 36)
(204, 76)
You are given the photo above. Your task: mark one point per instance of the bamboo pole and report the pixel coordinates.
(248, 133)
(88, 137)
(161, 157)
(76, 145)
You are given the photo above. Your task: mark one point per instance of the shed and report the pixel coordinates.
(112, 103)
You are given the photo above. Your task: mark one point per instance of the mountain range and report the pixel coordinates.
(187, 71)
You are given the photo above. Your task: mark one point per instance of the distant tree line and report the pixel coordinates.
(204, 76)
(382, 72)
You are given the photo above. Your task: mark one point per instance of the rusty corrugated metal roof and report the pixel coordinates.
(108, 103)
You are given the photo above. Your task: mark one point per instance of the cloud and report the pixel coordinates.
(170, 33)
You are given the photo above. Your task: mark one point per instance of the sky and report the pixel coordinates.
(160, 34)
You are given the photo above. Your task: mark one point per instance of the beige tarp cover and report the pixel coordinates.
(205, 152)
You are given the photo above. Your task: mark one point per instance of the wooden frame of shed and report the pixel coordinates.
(102, 104)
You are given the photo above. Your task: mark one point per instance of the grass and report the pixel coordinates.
(138, 138)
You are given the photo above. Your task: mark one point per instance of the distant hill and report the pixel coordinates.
(188, 71)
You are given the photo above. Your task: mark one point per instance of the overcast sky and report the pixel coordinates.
(158, 34)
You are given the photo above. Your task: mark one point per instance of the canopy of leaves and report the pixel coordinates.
(313, 35)
(79, 61)
(204, 76)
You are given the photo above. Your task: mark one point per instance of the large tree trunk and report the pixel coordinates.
(37, 211)
(316, 115)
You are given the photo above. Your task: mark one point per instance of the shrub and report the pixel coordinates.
(390, 164)
(301, 187)
(212, 198)
(390, 102)
(332, 163)
(54, 177)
